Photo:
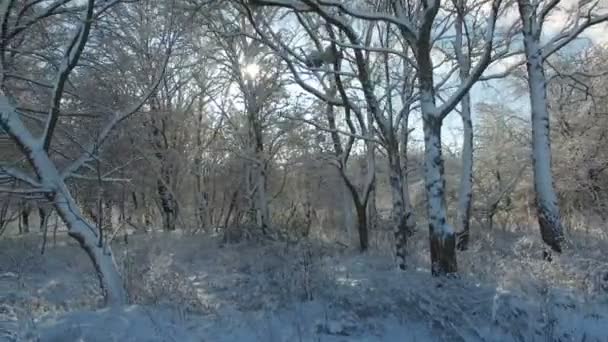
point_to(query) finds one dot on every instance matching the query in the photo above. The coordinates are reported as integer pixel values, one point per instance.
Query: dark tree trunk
(168, 206)
(362, 227)
(43, 214)
(24, 226)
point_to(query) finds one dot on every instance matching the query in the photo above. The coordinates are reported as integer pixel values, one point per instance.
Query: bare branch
(118, 117)
(72, 55)
(20, 175)
(481, 66)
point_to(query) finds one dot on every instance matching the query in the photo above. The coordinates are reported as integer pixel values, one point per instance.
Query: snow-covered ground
(188, 288)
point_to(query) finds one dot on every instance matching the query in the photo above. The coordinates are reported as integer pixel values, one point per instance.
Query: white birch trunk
(410, 217)
(78, 227)
(465, 191)
(442, 237)
(547, 207)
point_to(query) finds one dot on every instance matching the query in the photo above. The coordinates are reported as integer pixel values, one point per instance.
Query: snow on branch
(117, 118)
(561, 40)
(283, 51)
(481, 66)
(547, 8)
(314, 6)
(25, 192)
(51, 9)
(19, 175)
(70, 60)
(555, 43)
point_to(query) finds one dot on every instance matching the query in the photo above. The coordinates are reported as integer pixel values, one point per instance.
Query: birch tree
(467, 44)
(465, 191)
(533, 15)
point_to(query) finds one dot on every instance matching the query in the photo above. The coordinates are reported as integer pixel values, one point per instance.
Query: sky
(502, 91)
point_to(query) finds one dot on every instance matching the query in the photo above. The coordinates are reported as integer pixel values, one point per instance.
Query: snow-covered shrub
(290, 271)
(161, 281)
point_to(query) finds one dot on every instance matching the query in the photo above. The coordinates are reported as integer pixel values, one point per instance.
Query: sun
(251, 70)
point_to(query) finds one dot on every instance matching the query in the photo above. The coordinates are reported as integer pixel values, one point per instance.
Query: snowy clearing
(188, 288)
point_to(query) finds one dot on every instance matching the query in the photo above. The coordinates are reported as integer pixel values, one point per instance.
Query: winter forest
(303, 170)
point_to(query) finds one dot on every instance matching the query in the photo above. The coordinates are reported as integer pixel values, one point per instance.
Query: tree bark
(78, 226)
(86, 234)
(261, 198)
(402, 214)
(370, 159)
(43, 214)
(360, 203)
(258, 167)
(201, 195)
(547, 208)
(168, 205)
(442, 238)
(362, 227)
(465, 191)
(410, 216)
(24, 223)
(441, 233)
(347, 202)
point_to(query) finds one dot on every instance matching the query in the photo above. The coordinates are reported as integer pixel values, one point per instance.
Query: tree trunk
(87, 236)
(372, 208)
(168, 206)
(370, 156)
(465, 192)
(346, 198)
(403, 219)
(78, 227)
(261, 199)
(441, 233)
(201, 197)
(24, 223)
(43, 214)
(108, 215)
(442, 237)
(360, 204)
(547, 207)
(101, 255)
(403, 157)
(362, 226)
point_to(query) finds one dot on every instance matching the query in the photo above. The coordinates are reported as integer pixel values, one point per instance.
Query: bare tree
(48, 177)
(415, 24)
(533, 15)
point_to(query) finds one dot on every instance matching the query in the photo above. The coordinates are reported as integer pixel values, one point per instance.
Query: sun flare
(251, 70)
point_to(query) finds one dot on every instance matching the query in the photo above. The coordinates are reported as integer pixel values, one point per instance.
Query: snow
(188, 288)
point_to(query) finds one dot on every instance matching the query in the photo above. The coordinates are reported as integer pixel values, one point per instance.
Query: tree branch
(71, 57)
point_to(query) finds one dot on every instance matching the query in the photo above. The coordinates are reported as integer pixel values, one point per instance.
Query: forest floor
(191, 288)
